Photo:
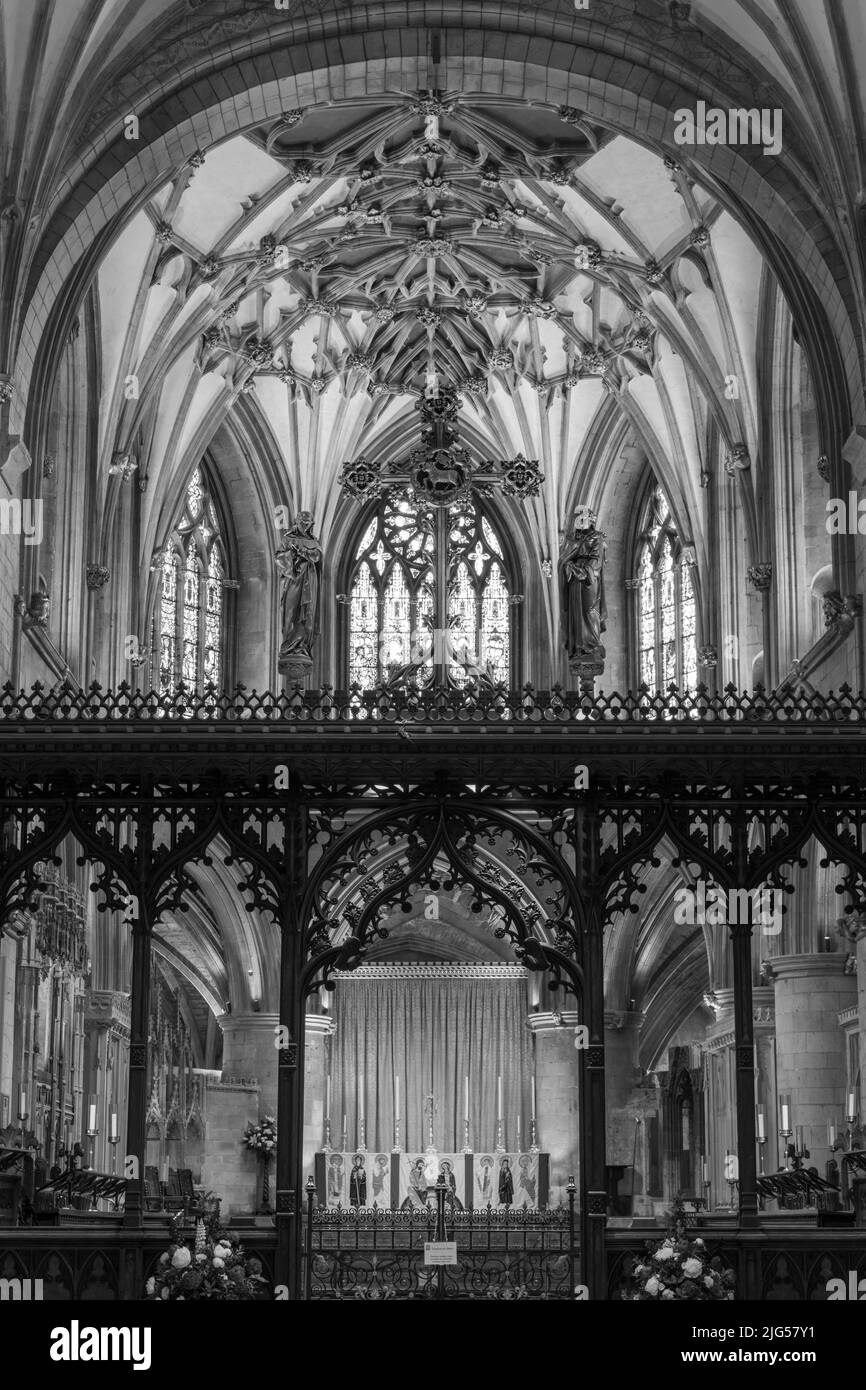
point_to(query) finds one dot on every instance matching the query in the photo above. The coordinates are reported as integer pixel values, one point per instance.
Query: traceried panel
(188, 637)
(667, 614)
(394, 599)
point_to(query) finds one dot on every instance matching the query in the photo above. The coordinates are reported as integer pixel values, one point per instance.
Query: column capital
(811, 964)
(623, 1018)
(552, 1022)
(253, 1022)
(320, 1025)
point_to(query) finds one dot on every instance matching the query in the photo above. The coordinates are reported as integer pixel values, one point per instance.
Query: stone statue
(583, 613)
(299, 559)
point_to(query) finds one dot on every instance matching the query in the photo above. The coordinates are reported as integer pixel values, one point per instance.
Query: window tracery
(190, 602)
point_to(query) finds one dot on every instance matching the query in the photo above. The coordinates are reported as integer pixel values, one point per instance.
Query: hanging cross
(431, 1108)
(441, 476)
(440, 472)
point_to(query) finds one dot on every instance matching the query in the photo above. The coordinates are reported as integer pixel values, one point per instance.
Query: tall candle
(328, 1096)
(852, 1113)
(466, 1098)
(703, 1169)
(112, 1125)
(518, 1134)
(91, 1124)
(534, 1111)
(831, 1133)
(785, 1117)
(22, 1102)
(798, 1139)
(761, 1129)
(499, 1097)
(396, 1097)
(344, 1122)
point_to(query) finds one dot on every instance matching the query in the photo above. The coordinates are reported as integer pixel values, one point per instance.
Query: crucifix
(431, 1108)
(441, 475)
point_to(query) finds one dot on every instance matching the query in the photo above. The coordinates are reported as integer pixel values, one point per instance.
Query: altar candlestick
(499, 1097)
(534, 1111)
(328, 1096)
(396, 1097)
(466, 1098)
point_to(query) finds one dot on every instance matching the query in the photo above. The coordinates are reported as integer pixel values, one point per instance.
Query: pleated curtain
(431, 1034)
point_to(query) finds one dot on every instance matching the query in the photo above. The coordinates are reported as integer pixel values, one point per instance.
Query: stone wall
(228, 1168)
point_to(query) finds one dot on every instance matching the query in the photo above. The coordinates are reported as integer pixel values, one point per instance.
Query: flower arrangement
(262, 1137)
(215, 1268)
(679, 1267)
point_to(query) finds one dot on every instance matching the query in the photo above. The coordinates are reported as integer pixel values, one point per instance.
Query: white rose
(652, 1287)
(692, 1268)
(708, 1281)
(668, 1293)
(150, 1286)
(181, 1258)
(218, 1263)
(665, 1252)
(698, 1244)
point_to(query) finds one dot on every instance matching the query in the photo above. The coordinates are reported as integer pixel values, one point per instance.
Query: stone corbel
(737, 460)
(853, 926)
(840, 610)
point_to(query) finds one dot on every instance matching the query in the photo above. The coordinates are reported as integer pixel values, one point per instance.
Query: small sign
(440, 1252)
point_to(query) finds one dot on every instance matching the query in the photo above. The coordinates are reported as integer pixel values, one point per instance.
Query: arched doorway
(373, 928)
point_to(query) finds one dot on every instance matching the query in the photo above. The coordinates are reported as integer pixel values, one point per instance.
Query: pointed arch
(665, 606)
(188, 624)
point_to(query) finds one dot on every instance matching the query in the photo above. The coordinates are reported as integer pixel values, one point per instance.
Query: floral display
(216, 1268)
(679, 1267)
(262, 1137)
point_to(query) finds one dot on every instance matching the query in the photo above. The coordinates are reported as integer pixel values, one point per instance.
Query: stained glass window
(188, 639)
(429, 597)
(666, 618)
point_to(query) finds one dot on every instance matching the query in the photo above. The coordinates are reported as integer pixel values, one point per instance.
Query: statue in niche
(299, 560)
(583, 612)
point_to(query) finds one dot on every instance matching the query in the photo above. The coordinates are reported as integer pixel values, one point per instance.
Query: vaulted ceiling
(316, 270)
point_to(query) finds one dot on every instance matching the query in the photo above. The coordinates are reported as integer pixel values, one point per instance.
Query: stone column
(625, 1108)
(319, 1029)
(556, 1097)
(720, 1115)
(250, 1052)
(853, 930)
(811, 991)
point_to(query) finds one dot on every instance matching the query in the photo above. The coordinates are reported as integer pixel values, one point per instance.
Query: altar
(397, 1181)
